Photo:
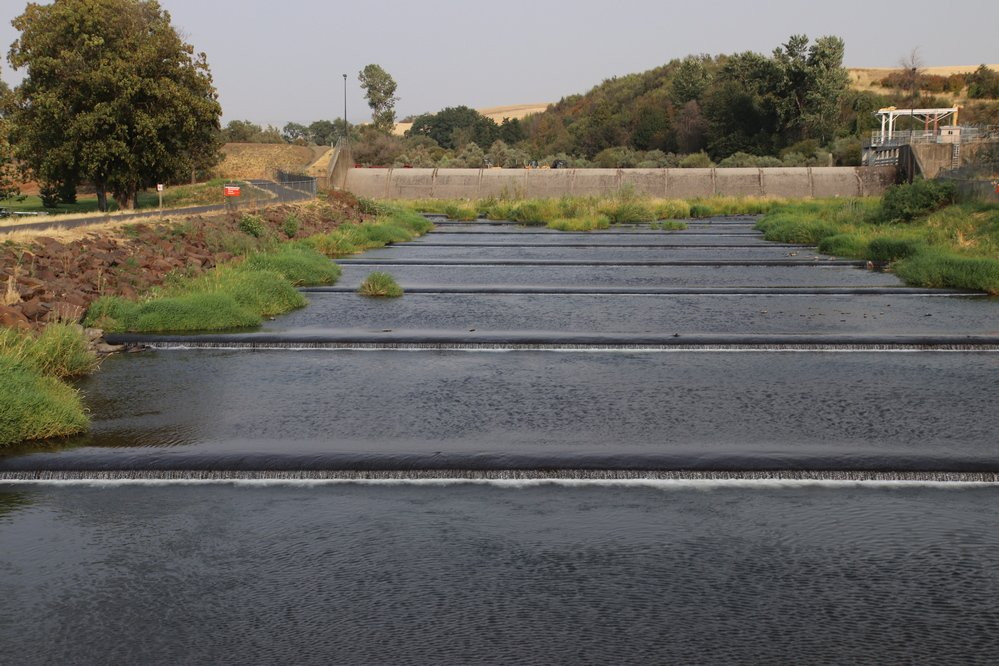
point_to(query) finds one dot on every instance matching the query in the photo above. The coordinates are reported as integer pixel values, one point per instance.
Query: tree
(379, 88)
(810, 84)
(983, 83)
(293, 132)
(8, 183)
(453, 127)
(112, 95)
(325, 132)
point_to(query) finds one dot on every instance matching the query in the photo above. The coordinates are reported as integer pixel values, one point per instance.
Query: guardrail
(905, 137)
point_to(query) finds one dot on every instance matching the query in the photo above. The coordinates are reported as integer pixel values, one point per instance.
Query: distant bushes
(904, 203)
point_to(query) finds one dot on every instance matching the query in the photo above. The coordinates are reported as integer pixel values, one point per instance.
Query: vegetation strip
(916, 230)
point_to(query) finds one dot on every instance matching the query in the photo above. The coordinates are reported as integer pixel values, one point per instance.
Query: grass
(393, 225)
(380, 285)
(580, 213)
(237, 295)
(956, 246)
(34, 402)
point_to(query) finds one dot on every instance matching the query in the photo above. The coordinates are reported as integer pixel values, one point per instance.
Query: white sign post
(159, 191)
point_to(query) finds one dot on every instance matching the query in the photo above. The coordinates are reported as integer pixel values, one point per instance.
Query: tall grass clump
(461, 213)
(671, 209)
(628, 211)
(380, 285)
(583, 223)
(60, 350)
(300, 265)
(844, 245)
(36, 406)
(935, 268)
(34, 403)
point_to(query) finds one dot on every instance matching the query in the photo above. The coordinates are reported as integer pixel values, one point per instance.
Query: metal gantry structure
(933, 121)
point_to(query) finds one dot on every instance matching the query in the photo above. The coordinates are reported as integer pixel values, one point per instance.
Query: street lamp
(344, 107)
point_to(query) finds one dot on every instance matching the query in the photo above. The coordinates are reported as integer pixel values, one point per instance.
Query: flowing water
(628, 446)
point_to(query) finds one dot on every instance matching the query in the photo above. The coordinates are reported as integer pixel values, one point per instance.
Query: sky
(278, 62)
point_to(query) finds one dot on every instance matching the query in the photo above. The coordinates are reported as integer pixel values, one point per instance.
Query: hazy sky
(279, 61)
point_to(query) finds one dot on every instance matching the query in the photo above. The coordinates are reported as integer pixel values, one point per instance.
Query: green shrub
(302, 266)
(700, 210)
(333, 245)
(844, 245)
(291, 225)
(696, 161)
(369, 206)
(904, 203)
(34, 406)
(934, 268)
(380, 285)
(886, 250)
(252, 225)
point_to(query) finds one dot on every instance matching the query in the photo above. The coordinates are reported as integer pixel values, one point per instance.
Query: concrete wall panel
(835, 182)
(411, 184)
(648, 182)
(371, 183)
(548, 183)
(593, 181)
(672, 183)
(457, 184)
(740, 182)
(503, 182)
(689, 183)
(792, 182)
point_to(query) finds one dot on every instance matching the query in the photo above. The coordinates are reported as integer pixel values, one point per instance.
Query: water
(606, 502)
(415, 410)
(465, 574)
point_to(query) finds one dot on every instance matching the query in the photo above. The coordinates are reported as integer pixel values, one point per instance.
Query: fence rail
(297, 181)
(967, 135)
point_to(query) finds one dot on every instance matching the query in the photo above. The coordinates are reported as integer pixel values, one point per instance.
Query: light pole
(344, 107)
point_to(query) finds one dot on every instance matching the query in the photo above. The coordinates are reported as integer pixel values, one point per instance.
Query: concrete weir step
(556, 262)
(665, 291)
(347, 339)
(649, 246)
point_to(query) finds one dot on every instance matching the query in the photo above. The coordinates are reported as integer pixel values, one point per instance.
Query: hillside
(868, 78)
(496, 113)
(259, 160)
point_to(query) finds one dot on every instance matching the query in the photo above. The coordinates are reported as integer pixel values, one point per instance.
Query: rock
(34, 308)
(93, 334)
(67, 311)
(104, 348)
(12, 318)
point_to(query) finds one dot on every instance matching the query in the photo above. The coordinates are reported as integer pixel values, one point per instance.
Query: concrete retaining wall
(668, 183)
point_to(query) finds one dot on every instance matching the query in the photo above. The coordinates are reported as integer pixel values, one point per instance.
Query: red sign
(230, 191)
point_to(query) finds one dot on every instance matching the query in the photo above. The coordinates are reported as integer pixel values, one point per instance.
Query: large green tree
(8, 185)
(809, 87)
(112, 95)
(379, 88)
